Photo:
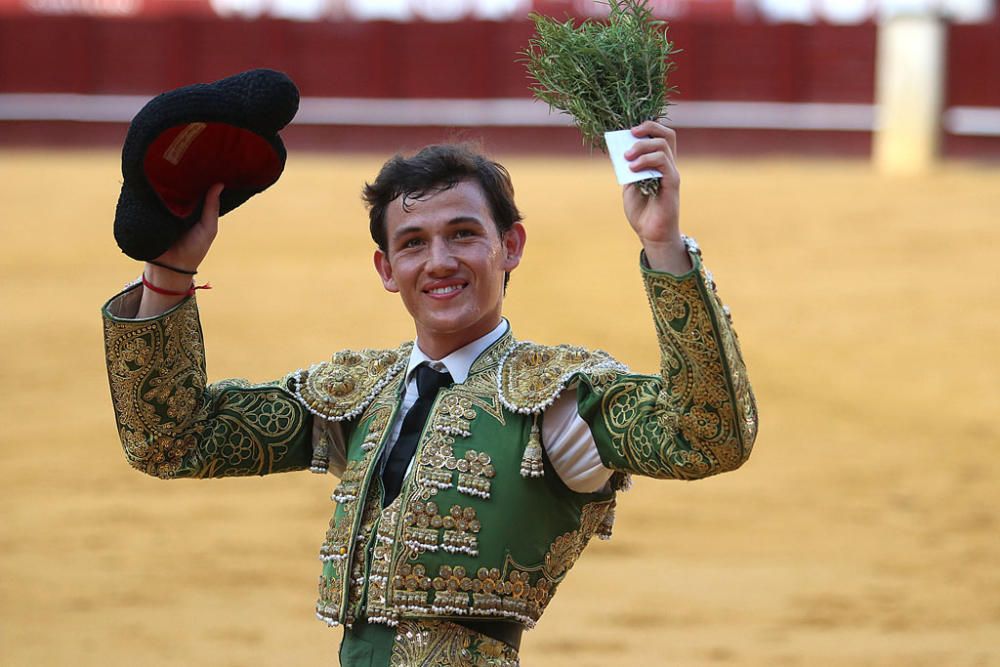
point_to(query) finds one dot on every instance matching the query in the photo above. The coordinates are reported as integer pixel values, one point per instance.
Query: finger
(659, 155)
(651, 128)
(672, 141)
(657, 161)
(660, 163)
(210, 212)
(644, 146)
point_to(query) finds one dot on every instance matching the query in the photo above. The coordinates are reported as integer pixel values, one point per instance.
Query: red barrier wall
(974, 65)
(719, 61)
(381, 59)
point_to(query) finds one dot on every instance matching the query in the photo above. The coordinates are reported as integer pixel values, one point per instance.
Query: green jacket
(483, 526)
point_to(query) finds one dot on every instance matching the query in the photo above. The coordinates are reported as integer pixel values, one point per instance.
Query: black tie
(429, 381)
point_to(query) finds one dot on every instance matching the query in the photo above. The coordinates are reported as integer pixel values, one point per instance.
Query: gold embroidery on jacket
(340, 389)
(426, 643)
(171, 424)
(566, 548)
(698, 418)
(347, 559)
(532, 376)
(380, 607)
(359, 563)
(413, 523)
(487, 592)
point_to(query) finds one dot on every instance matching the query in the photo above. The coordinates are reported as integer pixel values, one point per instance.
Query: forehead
(465, 200)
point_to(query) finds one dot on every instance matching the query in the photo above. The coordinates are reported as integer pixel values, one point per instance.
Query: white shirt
(566, 436)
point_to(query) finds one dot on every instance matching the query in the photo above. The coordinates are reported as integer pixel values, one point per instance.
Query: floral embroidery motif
(426, 643)
(566, 548)
(699, 418)
(170, 423)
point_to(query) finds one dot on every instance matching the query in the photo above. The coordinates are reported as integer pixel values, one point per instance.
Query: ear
(384, 269)
(513, 245)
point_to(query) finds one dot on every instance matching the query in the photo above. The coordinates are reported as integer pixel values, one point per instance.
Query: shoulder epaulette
(340, 389)
(531, 376)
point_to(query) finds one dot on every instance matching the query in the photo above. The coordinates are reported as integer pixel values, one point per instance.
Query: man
(473, 468)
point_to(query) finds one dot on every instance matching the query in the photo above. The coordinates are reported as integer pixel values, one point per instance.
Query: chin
(448, 325)
(452, 322)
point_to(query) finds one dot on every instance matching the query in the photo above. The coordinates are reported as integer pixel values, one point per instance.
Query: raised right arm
(171, 423)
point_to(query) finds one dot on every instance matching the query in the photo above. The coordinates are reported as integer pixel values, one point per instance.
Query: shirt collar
(459, 362)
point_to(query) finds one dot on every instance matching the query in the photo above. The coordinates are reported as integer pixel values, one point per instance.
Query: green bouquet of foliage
(607, 76)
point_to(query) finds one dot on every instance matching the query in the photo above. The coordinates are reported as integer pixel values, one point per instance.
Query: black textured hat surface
(184, 141)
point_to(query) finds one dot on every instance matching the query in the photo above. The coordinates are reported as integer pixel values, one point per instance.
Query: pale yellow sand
(863, 531)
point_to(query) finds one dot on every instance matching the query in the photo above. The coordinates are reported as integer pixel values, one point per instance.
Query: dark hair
(435, 168)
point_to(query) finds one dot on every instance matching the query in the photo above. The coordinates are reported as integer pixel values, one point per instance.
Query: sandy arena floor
(863, 531)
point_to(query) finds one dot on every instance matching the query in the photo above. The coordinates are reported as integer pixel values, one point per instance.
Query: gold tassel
(321, 453)
(607, 523)
(531, 462)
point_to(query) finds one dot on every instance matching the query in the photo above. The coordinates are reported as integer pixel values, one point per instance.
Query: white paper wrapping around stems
(618, 143)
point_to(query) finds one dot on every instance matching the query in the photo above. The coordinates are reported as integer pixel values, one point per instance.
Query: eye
(464, 233)
(412, 243)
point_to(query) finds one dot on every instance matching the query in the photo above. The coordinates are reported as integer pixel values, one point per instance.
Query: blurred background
(841, 168)
(752, 76)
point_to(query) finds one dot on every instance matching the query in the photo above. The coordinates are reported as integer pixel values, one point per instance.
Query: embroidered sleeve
(172, 425)
(699, 417)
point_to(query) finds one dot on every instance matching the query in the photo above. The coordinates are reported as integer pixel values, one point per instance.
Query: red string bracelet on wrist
(159, 290)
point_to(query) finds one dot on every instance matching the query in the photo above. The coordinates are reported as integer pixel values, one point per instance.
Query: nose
(440, 260)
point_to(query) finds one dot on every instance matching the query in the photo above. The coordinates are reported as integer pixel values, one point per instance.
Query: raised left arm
(699, 416)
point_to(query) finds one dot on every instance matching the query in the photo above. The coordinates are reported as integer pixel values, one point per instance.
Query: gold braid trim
(170, 423)
(532, 376)
(699, 418)
(341, 389)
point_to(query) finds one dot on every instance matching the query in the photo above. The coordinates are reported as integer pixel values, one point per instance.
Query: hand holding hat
(189, 139)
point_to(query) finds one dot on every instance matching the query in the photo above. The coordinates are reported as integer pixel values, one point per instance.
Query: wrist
(167, 279)
(669, 256)
(172, 267)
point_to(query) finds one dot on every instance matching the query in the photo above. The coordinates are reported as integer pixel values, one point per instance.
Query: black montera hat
(185, 140)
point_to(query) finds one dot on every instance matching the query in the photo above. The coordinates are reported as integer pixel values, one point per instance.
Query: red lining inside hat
(186, 160)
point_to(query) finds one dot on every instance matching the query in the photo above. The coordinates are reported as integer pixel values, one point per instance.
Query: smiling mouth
(446, 290)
